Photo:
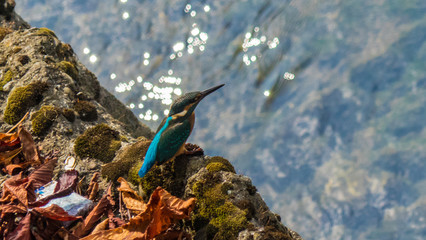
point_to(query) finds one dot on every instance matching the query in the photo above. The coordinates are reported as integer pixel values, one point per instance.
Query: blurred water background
(324, 105)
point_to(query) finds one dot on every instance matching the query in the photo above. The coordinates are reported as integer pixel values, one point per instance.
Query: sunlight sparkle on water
(166, 112)
(123, 1)
(93, 59)
(146, 62)
(125, 15)
(204, 36)
(193, 13)
(207, 8)
(179, 46)
(86, 50)
(288, 76)
(146, 55)
(187, 8)
(195, 31)
(266, 93)
(139, 79)
(113, 76)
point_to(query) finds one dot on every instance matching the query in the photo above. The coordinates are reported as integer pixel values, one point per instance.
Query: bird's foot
(193, 149)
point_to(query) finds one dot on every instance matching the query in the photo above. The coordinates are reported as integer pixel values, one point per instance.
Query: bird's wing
(161, 125)
(172, 139)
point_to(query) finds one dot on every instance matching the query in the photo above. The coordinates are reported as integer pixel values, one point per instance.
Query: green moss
(215, 164)
(170, 176)
(222, 219)
(125, 160)
(3, 32)
(86, 110)
(46, 32)
(68, 114)
(100, 142)
(69, 68)
(43, 119)
(133, 176)
(7, 77)
(229, 221)
(21, 99)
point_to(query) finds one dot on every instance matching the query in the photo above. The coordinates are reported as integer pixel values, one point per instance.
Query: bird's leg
(193, 149)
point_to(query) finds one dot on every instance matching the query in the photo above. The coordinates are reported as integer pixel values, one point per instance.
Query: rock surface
(69, 110)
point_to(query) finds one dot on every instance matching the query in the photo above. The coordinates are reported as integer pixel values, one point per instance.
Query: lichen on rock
(21, 99)
(100, 142)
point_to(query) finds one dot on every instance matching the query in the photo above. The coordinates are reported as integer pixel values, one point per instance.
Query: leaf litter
(25, 213)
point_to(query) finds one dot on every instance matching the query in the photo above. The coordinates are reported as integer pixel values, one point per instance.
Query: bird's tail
(146, 166)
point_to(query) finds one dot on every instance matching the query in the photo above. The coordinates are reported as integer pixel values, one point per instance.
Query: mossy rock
(125, 160)
(43, 119)
(216, 164)
(86, 110)
(100, 142)
(46, 32)
(170, 176)
(69, 68)
(3, 32)
(68, 114)
(7, 77)
(215, 212)
(21, 99)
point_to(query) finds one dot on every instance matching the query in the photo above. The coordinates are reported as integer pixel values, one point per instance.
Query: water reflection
(317, 110)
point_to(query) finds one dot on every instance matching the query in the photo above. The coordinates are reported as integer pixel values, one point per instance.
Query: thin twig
(20, 121)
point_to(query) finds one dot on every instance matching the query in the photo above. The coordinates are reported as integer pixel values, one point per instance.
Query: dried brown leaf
(163, 209)
(133, 201)
(23, 231)
(5, 209)
(8, 140)
(29, 149)
(15, 188)
(13, 169)
(43, 174)
(56, 213)
(6, 157)
(93, 217)
(101, 226)
(92, 190)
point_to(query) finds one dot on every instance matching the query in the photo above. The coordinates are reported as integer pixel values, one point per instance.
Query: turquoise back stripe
(151, 154)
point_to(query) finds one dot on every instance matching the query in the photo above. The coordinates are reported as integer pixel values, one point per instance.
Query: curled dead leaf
(131, 199)
(162, 210)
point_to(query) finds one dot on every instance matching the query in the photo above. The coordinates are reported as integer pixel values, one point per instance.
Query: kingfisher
(174, 130)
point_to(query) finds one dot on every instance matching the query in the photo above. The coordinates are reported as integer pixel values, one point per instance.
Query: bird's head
(185, 105)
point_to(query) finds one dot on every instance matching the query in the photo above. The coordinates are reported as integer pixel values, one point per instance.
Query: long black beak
(210, 90)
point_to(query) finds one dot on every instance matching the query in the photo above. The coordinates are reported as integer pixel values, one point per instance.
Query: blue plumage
(151, 154)
(169, 141)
